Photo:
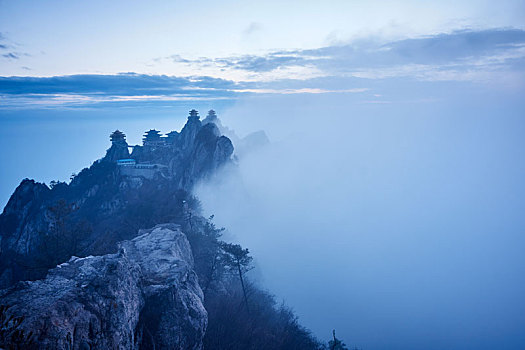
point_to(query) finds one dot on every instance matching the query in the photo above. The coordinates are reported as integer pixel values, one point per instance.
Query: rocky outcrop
(117, 151)
(119, 147)
(251, 143)
(210, 151)
(189, 131)
(145, 296)
(25, 201)
(19, 222)
(110, 201)
(188, 156)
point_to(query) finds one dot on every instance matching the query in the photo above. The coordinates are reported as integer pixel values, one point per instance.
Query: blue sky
(397, 155)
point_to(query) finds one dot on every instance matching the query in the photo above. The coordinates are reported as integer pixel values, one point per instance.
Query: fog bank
(398, 224)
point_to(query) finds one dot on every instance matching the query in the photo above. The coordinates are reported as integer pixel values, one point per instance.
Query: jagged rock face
(212, 119)
(25, 219)
(251, 142)
(145, 296)
(189, 132)
(18, 223)
(118, 150)
(210, 151)
(107, 200)
(223, 151)
(190, 155)
(26, 193)
(23, 203)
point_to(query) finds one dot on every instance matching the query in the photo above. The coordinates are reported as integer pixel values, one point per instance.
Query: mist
(398, 224)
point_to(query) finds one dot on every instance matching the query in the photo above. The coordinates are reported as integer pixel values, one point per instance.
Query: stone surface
(144, 296)
(118, 150)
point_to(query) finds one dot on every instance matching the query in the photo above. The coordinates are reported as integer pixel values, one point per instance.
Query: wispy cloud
(459, 55)
(11, 56)
(303, 91)
(3, 42)
(51, 101)
(13, 53)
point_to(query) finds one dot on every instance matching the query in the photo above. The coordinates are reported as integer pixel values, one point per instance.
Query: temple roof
(117, 135)
(152, 135)
(212, 114)
(194, 115)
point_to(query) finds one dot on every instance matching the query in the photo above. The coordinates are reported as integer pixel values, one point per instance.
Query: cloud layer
(426, 58)
(492, 57)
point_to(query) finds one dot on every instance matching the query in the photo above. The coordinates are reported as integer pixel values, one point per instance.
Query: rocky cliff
(144, 296)
(78, 269)
(104, 204)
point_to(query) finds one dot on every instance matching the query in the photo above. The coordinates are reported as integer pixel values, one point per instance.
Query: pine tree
(239, 260)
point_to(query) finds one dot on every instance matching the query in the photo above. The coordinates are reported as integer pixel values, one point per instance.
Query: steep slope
(107, 202)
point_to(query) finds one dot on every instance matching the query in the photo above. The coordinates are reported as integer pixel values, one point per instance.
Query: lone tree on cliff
(238, 259)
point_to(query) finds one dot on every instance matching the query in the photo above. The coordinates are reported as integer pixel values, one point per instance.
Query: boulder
(144, 296)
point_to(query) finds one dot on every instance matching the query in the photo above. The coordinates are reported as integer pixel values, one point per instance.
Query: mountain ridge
(107, 220)
(104, 194)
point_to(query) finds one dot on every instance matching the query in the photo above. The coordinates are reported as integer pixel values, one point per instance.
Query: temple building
(152, 158)
(119, 147)
(172, 137)
(211, 115)
(194, 115)
(117, 137)
(153, 138)
(211, 118)
(126, 162)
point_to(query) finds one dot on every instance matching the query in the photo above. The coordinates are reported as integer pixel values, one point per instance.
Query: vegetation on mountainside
(240, 314)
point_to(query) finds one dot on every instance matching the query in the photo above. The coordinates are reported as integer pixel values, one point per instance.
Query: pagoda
(119, 147)
(212, 116)
(117, 137)
(194, 115)
(152, 138)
